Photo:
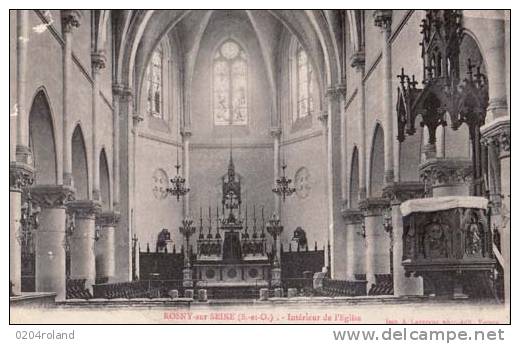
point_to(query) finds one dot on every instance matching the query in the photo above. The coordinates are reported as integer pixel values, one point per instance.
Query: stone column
(357, 61)
(117, 95)
(69, 19)
(20, 177)
(335, 97)
(447, 176)
(186, 135)
(498, 135)
(98, 62)
(105, 246)
(50, 238)
(23, 154)
(355, 243)
(276, 134)
(377, 252)
(494, 54)
(398, 193)
(383, 19)
(82, 257)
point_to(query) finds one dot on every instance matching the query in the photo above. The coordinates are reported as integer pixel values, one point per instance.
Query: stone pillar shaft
(82, 257)
(383, 19)
(22, 117)
(117, 93)
(398, 193)
(50, 238)
(15, 263)
(70, 19)
(98, 63)
(358, 62)
(355, 245)
(377, 254)
(186, 135)
(276, 134)
(105, 246)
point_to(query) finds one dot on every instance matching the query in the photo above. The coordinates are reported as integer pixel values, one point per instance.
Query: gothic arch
(42, 140)
(354, 179)
(104, 181)
(376, 165)
(80, 175)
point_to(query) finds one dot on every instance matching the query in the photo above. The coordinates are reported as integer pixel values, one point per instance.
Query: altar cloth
(421, 205)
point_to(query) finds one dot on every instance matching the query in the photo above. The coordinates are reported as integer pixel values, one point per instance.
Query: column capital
(324, 117)
(108, 218)
(52, 196)
(137, 119)
(352, 216)
(117, 89)
(373, 206)
(126, 94)
(275, 132)
(70, 19)
(498, 134)
(186, 133)
(99, 60)
(399, 192)
(335, 92)
(20, 176)
(357, 59)
(87, 209)
(383, 19)
(446, 171)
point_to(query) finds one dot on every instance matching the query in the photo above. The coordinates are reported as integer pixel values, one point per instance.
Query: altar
(232, 250)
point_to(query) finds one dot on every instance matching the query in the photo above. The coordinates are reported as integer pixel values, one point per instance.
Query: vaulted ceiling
(321, 33)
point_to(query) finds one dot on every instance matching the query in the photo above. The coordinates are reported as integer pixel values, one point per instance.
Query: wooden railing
(75, 289)
(333, 287)
(384, 285)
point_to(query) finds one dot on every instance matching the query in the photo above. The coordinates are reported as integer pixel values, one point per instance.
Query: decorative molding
(99, 60)
(399, 192)
(357, 59)
(160, 139)
(383, 19)
(373, 206)
(209, 145)
(275, 132)
(108, 219)
(84, 209)
(52, 196)
(352, 216)
(70, 19)
(444, 172)
(308, 136)
(498, 134)
(20, 176)
(302, 182)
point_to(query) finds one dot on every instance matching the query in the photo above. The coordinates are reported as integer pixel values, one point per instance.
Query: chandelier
(178, 188)
(283, 186)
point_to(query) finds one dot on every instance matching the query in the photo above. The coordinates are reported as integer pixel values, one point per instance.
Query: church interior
(259, 154)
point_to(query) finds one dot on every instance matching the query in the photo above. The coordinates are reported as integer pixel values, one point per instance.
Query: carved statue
(300, 237)
(162, 240)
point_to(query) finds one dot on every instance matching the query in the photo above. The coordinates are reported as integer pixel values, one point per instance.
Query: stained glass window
(154, 84)
(230, 85)
(304, 85)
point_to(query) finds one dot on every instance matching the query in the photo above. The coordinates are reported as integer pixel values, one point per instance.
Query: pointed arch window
(304, 85)
(230, 85)
(154, 78)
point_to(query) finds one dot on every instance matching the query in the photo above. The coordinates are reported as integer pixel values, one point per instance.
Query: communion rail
(334, 287)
